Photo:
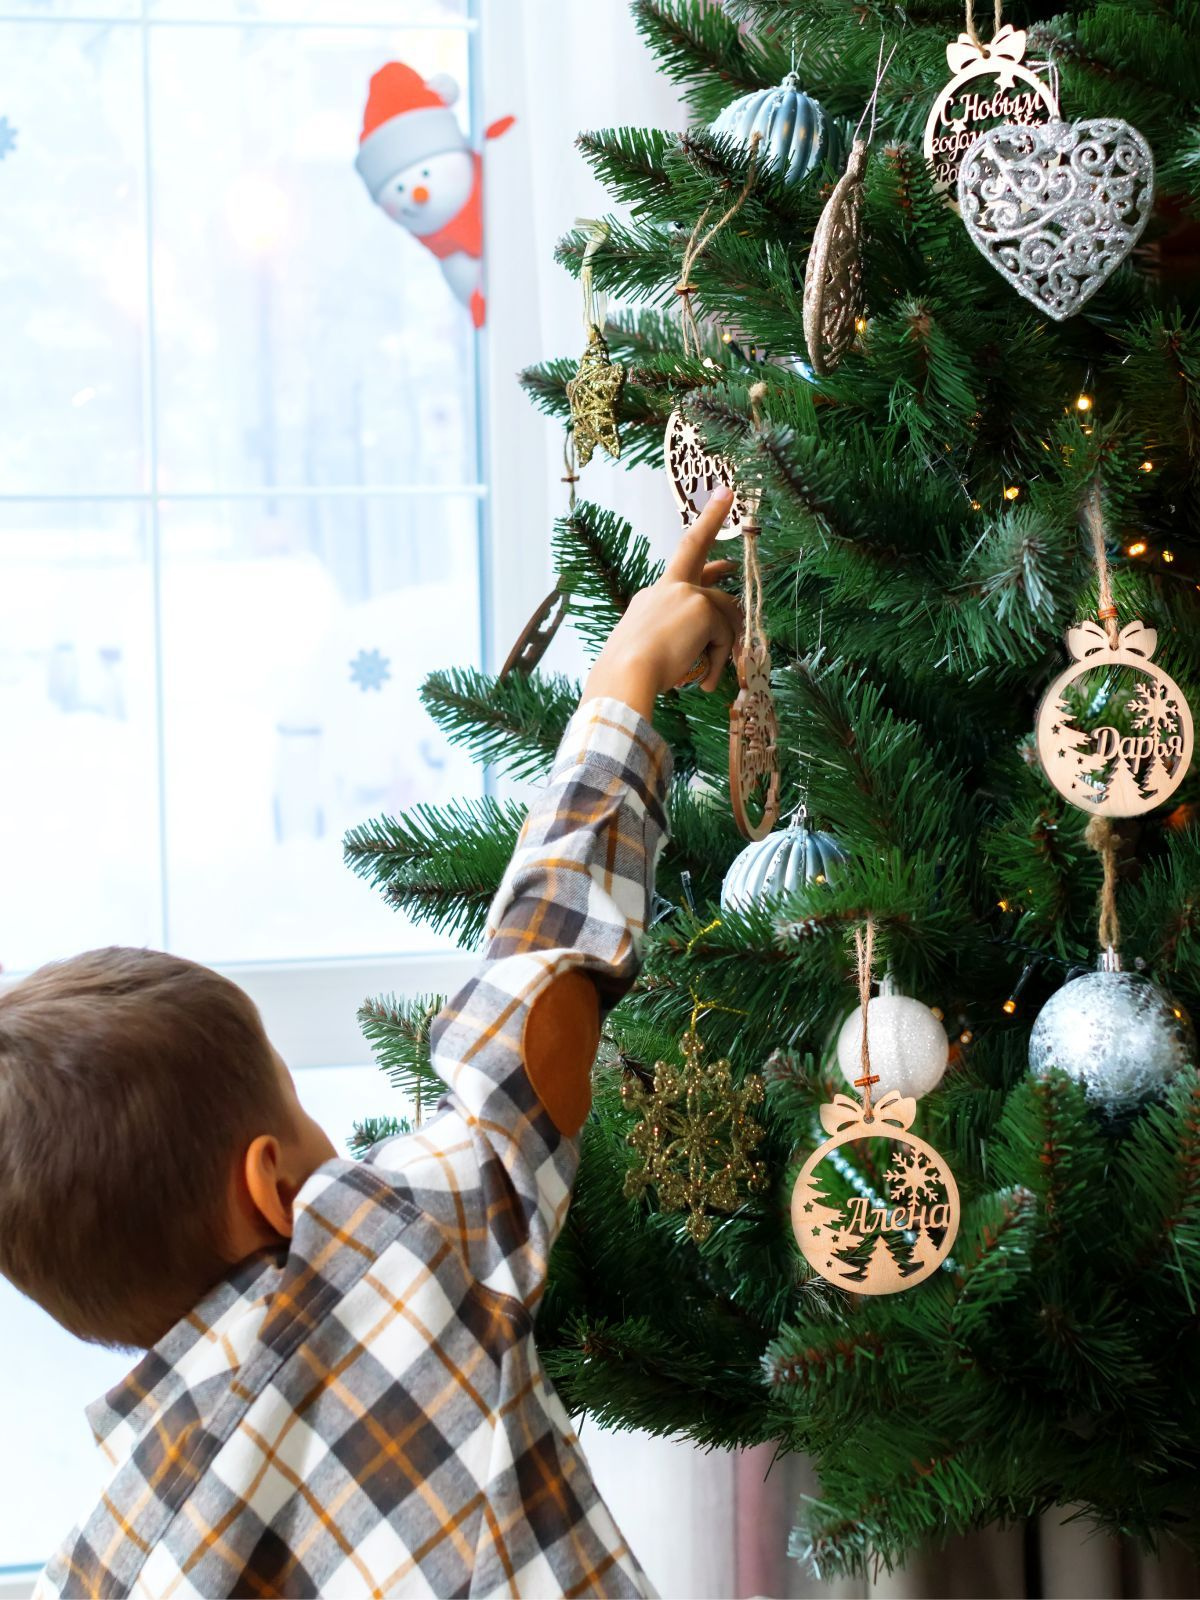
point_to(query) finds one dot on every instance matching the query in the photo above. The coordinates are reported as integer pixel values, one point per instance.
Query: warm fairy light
(1168, 556)
(975, 506)
(1087, 430)
(1146, 466)
(1137, 548)
(1177, 1011)
(1004, 905)
(861, 324)
(820, 878)
(965, 1036)
(1084, 403)
(1009, 1007)
(727, 337)
(936, 1011)
(1011, 492)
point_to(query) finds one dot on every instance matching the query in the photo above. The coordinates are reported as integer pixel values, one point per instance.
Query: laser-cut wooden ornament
(865, 1245)
(694, 471)
(1114, 731)
(969, 104)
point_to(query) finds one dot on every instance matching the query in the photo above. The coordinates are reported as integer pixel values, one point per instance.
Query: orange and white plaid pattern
(368, 1414)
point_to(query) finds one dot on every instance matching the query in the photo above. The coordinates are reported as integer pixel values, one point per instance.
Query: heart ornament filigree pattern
(1057, 207)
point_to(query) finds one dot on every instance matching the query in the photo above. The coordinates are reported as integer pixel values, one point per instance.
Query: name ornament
(858, 1240)
(1114, 731)
(875, 1245)
(970, 103)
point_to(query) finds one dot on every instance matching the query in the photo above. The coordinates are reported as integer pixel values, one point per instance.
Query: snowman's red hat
(407, 120)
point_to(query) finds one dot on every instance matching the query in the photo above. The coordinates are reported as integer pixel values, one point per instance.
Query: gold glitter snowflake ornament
(695, 1136)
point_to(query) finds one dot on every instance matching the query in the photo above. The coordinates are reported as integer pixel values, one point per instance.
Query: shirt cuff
(606, 731)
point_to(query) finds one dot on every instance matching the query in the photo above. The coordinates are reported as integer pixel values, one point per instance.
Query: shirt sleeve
(574, 899)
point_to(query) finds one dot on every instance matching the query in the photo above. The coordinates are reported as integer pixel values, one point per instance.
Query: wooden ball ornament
(1114, 731)
(694, 472)
(970, 103)
(874, 1245)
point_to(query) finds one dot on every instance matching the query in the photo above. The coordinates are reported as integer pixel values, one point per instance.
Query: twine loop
(1093, 516)
(699, 243)
(864, 950)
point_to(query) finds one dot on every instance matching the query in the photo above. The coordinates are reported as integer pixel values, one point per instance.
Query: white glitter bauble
(1116, 1033)
(909, 1047)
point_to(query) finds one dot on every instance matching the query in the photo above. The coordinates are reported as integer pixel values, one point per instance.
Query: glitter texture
(1114, 1032)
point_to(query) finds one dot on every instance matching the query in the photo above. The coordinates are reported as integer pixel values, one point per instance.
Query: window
(241, 516)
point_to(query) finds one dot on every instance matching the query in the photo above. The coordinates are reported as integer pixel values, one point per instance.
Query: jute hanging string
(1093, 516)
(1100, 836)
(753, 634)
(864, 950)
(698, 244)
(997, 15)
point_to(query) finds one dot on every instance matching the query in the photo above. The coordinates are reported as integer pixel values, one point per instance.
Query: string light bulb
(860, 324)
(1011, 492)
(1137, 548)
(1083, 403)
(1146, 466)
(1168, 556)
(1009, 1006)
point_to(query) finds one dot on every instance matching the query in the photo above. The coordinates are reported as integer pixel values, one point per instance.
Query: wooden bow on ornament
(843, 1111)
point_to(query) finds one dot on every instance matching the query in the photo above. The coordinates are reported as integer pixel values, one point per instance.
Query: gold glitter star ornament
(696, 1136)
(593, 394)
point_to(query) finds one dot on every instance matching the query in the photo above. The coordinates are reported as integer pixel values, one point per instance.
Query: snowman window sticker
(419, 169)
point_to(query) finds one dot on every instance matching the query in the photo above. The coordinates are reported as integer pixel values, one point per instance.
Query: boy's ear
(266, 1184)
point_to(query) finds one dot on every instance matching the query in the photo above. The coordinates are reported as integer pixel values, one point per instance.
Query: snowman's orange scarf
(465, 231)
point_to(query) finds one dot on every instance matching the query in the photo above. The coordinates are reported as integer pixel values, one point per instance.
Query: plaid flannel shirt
(368, 1414)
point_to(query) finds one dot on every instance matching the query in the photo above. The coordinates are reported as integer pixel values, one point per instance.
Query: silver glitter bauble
(797, 137)
(1116, 1033)
(908, 1045)
(1057, 207)
(780, 863)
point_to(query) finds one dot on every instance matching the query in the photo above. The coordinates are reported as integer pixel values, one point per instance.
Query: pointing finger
(687, 563)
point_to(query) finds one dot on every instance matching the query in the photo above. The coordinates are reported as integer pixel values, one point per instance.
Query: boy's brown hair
(130, 1082)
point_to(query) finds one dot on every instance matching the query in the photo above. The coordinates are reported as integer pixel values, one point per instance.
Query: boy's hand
(666, 627)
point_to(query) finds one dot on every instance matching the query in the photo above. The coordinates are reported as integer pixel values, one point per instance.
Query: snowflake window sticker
(1114, 732)
(370, 670)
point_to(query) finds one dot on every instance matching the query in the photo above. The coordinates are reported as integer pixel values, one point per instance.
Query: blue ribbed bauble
(797, 136)
(780, 863)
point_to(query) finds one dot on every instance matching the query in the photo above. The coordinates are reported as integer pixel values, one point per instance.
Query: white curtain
(703, 1523)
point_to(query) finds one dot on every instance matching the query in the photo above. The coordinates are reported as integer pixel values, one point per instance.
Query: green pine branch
(512, 723)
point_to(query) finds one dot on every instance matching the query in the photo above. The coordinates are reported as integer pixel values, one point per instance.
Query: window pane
(303, 337)
(50, 1471)
(78, 812)
(72, 260)
(389, 13)
(296, 633)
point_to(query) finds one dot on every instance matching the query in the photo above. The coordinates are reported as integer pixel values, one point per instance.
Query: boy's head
(150, 1137)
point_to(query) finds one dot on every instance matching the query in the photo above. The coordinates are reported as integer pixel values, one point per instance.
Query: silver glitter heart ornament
(1057, 207)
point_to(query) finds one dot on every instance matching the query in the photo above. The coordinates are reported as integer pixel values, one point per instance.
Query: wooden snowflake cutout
(695, 1136)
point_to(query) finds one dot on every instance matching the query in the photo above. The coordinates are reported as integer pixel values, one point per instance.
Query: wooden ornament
(534, 638)
(1114, 731)
(866, 1244)
(694, 472)
(969, 104)
(753, 737)
(833, 301)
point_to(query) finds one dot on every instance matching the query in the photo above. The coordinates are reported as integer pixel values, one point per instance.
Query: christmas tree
(922, 555)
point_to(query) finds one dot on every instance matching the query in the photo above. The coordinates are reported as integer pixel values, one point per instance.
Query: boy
(341, 1393)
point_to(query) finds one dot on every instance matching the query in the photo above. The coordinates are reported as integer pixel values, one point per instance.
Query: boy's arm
(564, 933)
